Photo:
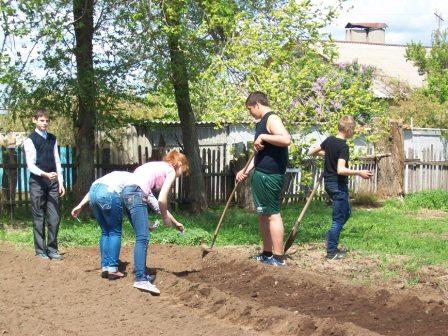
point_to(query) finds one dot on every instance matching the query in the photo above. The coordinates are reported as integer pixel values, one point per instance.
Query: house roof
(162, 123)
(389, 61)
(367, 25)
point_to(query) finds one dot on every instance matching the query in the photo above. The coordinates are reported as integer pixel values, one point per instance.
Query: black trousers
(46, 213)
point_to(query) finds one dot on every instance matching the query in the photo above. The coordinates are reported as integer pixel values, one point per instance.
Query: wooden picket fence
(14, 175)
(420, 174)
(428, 172)
(300, 181)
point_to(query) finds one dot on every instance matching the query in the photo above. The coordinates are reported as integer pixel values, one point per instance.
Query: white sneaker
(146, 286)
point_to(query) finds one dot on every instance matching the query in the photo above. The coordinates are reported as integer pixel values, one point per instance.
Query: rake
(205, 249)
(292, 236)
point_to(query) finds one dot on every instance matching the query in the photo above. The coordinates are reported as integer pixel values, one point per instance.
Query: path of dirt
(223, 294)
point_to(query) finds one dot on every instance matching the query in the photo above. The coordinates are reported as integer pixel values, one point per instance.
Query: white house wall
(426, 144)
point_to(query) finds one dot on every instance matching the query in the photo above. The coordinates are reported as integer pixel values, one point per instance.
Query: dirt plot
(222, 294)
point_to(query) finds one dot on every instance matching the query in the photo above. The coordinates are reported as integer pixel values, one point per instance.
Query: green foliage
(192, 236)
(199, 28)
(60, 126)
(421, 109)
(230, 47)
(37, 61)
(281, 51)
(433, 63)
(428, 199)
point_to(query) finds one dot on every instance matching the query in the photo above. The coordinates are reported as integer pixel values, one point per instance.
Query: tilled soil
(223, 293)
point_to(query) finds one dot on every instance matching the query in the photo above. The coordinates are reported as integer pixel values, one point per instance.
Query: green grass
(428, 199)
(392, 230)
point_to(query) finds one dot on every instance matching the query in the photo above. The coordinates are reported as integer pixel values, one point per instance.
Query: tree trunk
(195, 186)
(86, 114)
(244, 197)
(391, 168)
(9, 178)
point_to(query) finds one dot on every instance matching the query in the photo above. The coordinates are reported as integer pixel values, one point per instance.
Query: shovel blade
(292, 236)
(205, 249)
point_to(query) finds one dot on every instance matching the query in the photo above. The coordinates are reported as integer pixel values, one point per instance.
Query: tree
(428, 106)
(199, 57)
(391, 166)
(283, 52)
(181, 36)
(433, 63)
(86, 116)
(179, 78)
(192, 33)
(419, 109)
(48, 60)
(225, 49)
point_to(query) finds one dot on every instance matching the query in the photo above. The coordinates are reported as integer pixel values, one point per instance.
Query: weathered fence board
(420, 174)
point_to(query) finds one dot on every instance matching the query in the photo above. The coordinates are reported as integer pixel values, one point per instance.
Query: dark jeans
(137, 212)
(338, 193)
(44, 196)
(108, 210)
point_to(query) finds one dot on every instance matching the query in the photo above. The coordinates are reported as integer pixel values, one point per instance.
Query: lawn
(395, 229)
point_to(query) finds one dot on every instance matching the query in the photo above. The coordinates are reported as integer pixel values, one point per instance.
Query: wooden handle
(308, 201)
(229, 200)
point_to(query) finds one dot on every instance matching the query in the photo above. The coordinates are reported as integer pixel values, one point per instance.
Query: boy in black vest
(336, 173)
(46, 185)
(271, 144)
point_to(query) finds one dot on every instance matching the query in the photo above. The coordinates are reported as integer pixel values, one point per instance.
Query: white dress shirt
(30, 154)
(115, 180)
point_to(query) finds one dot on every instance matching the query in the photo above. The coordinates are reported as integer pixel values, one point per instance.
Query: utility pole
(439, 19)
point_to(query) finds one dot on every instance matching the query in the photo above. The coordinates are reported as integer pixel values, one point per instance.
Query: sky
(407, 20)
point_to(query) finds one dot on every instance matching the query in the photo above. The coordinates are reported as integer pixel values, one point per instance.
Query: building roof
(389, 61)
(170, 123)
(367, 25)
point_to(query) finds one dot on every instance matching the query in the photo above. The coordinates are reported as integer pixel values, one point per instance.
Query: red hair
(177, 159)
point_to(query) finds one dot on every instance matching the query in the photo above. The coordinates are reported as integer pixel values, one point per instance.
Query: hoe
(205, 249)
(292, 236)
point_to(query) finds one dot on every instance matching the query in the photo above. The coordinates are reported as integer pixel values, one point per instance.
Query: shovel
(205, 249)
(292, 236)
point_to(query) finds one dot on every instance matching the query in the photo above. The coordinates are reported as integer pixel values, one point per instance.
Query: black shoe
(274, 261)
(55, 256)
(114, 276)
(42, 256)
(335, 256)
(105, 274)
(259, 257)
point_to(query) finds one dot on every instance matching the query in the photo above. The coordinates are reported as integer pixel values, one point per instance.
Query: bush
(428, 199)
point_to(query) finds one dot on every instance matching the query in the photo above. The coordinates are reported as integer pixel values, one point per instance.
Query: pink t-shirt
(150, 176)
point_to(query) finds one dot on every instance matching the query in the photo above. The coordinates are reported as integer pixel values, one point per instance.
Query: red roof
(367, 25)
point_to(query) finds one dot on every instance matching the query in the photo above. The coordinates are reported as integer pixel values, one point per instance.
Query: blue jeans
(338, 193)
(137, 213)
(108, 210)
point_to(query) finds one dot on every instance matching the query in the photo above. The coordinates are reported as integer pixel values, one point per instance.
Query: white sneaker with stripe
(146, 286)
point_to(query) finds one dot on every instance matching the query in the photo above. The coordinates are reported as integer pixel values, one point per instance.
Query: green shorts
(266, 191)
